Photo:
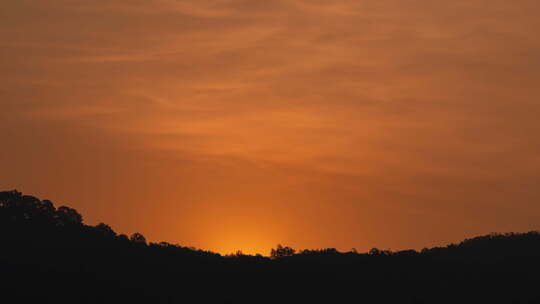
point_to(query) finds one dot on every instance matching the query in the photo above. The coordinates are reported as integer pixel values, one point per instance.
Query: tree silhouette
(68, 216)
(281, 251)
(105, 230)
(44, 249)
(138, 238)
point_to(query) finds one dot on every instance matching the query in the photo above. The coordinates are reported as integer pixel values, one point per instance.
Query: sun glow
(246, 243)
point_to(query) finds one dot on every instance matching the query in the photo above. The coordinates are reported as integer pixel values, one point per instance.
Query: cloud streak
(374, 115)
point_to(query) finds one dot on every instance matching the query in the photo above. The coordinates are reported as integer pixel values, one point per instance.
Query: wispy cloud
(410, 105)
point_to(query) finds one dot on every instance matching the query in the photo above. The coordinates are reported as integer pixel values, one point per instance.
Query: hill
(48, 255)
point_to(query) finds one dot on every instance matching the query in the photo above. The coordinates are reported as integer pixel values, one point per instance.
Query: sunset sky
(240, 124)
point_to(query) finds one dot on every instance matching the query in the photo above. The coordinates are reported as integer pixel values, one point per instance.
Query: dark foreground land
(47, 255)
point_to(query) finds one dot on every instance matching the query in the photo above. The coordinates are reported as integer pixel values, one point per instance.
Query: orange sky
(240, 124)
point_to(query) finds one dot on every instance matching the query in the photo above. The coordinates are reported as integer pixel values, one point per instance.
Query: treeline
(48, 255)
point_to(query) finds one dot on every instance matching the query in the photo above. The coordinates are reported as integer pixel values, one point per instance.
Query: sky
(240, 124)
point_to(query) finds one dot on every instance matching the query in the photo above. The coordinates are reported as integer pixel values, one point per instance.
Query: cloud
(370, 107)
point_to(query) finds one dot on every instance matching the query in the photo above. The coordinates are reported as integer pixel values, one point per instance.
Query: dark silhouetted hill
(48, 255)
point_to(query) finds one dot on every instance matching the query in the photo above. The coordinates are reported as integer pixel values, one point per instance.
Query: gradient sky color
(240, 124)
